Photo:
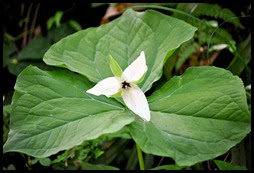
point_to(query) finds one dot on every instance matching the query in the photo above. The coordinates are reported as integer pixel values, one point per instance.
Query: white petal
(107, 87)
(136, 69)
(135, 100)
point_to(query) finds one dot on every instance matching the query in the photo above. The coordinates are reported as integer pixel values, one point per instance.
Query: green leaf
(97, 153)
(89, 166)
(58, 16)
(52, 112)
(168, 167)
(75, 25)
(237, 65)
(50, 23)
(227, 166)
(168, 69)
(195, 117)
(115, 68)
(94, 5)
(123, 133)
(86, 52)
(62, 157)
(6, 110)
(55, 20)
(45, 161)
(33, 161)
(35, 49)
(11, 167)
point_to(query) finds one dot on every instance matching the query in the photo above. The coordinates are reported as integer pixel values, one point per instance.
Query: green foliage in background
(210, 32)
(227, 166)
(33, 52)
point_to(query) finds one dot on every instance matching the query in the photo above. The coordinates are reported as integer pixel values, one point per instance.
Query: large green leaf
(195, 117)
(52, 112)
(87, 52)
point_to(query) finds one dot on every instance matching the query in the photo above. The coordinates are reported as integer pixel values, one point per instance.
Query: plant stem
(140, 158)
(24, 41)
(34, 21)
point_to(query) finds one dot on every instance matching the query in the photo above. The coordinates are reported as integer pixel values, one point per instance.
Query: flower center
(125, 85)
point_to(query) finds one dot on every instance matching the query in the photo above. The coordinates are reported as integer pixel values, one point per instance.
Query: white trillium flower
(125, 84)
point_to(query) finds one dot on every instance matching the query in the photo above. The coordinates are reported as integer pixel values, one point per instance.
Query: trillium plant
(196, 116)
(125, 84)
